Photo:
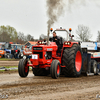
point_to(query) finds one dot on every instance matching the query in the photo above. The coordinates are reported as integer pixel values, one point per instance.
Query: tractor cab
(63, 36)
(66, 35)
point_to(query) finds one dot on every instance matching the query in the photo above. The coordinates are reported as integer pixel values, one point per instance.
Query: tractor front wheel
(55, 69)
(23, 69)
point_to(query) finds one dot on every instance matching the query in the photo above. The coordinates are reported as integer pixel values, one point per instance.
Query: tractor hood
(41, 47)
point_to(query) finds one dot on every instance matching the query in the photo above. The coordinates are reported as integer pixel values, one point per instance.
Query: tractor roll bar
(63, 30)
(58, 30)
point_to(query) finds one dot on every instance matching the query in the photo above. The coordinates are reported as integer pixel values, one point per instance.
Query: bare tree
(42, 37)
(83, 33)
(98, 37)
(21, 38)
(29, 38)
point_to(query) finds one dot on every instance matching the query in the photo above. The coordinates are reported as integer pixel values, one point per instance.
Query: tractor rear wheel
(94, 67)
(23, 69)
(55, 69)
(40, 71)
(72, 59)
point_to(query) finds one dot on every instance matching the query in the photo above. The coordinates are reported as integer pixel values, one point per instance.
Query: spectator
(12, 53)
(18, 52)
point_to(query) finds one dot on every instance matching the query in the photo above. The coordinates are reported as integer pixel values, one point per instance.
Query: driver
(58, 41)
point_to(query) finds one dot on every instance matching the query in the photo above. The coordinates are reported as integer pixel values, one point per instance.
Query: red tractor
(44, 59)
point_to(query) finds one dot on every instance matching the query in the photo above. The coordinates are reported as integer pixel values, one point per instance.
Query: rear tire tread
(68, 60)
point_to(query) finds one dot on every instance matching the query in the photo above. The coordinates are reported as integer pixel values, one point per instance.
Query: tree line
(9, 34)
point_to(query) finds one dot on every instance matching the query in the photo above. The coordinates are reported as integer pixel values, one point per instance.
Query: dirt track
(46, 88)
(9, 63)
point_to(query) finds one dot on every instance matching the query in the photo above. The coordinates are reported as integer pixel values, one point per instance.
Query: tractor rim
(78, 61)
(26, 68)
(58, 69)
(94, 68)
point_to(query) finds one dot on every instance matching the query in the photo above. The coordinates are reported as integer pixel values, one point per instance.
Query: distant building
(29, 43)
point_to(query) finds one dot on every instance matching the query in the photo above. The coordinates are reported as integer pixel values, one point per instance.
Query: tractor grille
(40, 54)
(37, 48)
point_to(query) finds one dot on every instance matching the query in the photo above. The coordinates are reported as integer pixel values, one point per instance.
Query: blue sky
(29, 16)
